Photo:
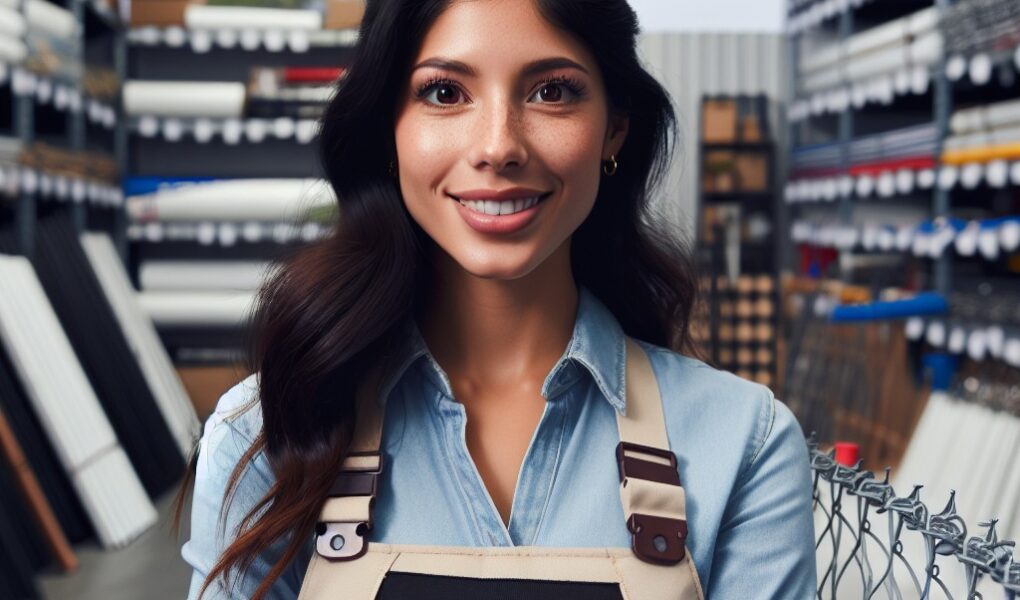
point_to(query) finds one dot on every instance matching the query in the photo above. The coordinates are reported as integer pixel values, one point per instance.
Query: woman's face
(499, 99)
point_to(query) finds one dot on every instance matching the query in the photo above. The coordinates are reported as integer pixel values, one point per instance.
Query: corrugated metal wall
(691, 65)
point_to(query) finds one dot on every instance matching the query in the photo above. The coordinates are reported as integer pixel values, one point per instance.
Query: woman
(511, 342)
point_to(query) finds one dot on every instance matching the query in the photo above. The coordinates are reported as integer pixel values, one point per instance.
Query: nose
(499, 137)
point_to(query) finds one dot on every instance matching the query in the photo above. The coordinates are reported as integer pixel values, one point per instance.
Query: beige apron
(345, 565)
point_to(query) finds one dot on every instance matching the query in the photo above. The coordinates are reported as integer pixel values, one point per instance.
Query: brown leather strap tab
(631, 466)
(355, 484)
(358, 482)
(658, 539)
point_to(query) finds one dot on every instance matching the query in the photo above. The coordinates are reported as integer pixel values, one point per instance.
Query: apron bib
(657, 566)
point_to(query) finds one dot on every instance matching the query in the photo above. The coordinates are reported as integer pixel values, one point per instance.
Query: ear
(616, 133)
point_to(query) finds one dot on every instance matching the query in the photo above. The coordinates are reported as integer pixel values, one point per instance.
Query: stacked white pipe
(972, 449)
(68, 409)
(873, 66)
(210, 293)
(205, 110)
(989, 239)
(246, 27)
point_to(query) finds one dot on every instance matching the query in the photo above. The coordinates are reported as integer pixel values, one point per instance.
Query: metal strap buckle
(346, 541)
(357, 482)
(645, 469)
(341, 541)
(657, 539)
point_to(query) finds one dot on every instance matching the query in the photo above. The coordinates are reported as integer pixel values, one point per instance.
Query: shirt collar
(597, 344)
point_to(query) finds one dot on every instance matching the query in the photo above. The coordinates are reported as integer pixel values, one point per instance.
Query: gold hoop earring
(609, 166)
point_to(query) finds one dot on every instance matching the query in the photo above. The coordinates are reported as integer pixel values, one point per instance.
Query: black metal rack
(738, 213)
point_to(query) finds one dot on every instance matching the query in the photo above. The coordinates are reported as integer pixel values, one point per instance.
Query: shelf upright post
(784, 259)
(76, 117)
(943, 109)
(846, 120)
(25, 209)
(120, 139)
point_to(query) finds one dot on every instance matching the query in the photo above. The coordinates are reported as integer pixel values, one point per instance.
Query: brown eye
(551, 93)
(447, 93)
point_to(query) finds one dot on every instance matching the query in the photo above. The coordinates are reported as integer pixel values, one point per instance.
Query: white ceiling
(712, 15)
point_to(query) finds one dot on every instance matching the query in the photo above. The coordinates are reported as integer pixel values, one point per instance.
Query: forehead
(498, 33)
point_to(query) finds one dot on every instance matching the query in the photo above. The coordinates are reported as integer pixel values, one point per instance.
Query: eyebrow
(532, 68)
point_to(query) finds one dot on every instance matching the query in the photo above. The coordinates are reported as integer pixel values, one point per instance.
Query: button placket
(482, 506)
(538, 472)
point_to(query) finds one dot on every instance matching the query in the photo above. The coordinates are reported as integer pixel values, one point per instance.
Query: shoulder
(718, 411)
(230, 431)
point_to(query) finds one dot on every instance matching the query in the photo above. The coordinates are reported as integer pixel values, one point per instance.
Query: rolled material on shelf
(202, 275)
(985, 154)
(922, 304)
(197, 309)
(234, 200)
(184, 98)
(199, 16)
(50, 18)
(823, 58)
(12, 24)
(68, 408)
(12, 50)
(893, 33)
(989, 117)
(140, 333)
(880, 61)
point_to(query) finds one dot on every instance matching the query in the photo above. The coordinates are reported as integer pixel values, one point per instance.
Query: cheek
(573, 154)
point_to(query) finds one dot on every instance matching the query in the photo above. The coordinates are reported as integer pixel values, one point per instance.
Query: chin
(499, 267)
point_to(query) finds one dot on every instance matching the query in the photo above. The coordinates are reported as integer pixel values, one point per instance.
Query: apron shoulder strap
(650, 492)
(653, 500)
(348, 513)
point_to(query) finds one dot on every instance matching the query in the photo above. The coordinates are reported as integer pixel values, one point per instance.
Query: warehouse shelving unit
(738, 248)
(222, 148)
(57, 111)
(949, 223)
(962, 74)
(852, 114)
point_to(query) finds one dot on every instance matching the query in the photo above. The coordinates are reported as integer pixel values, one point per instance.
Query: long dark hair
(334, 308)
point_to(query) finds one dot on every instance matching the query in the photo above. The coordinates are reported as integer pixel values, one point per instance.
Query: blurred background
(848, 178)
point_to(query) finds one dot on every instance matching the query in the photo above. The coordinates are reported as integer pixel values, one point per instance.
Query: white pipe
(184, 98)
(68, 409)
(198, 16)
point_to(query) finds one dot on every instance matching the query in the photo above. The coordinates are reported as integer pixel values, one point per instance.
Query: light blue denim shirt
(742, 461)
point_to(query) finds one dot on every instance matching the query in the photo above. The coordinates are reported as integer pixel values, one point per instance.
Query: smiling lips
(506, 211)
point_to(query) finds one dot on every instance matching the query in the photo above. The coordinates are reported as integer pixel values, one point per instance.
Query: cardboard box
(205, 384)
(160, 13)
(752, 171)
(750, 129)
(344, 14)
(719, 121)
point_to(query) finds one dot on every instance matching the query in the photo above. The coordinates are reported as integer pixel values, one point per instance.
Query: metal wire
(846, 496)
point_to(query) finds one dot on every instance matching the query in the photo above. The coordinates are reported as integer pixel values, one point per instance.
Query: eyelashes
(575, 87)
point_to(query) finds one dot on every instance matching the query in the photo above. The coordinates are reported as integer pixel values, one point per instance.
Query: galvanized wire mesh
(862, 557)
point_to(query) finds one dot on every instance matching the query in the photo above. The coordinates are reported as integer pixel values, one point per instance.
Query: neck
(500, 334)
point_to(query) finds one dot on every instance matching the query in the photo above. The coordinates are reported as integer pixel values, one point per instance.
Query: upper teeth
(500, 207)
